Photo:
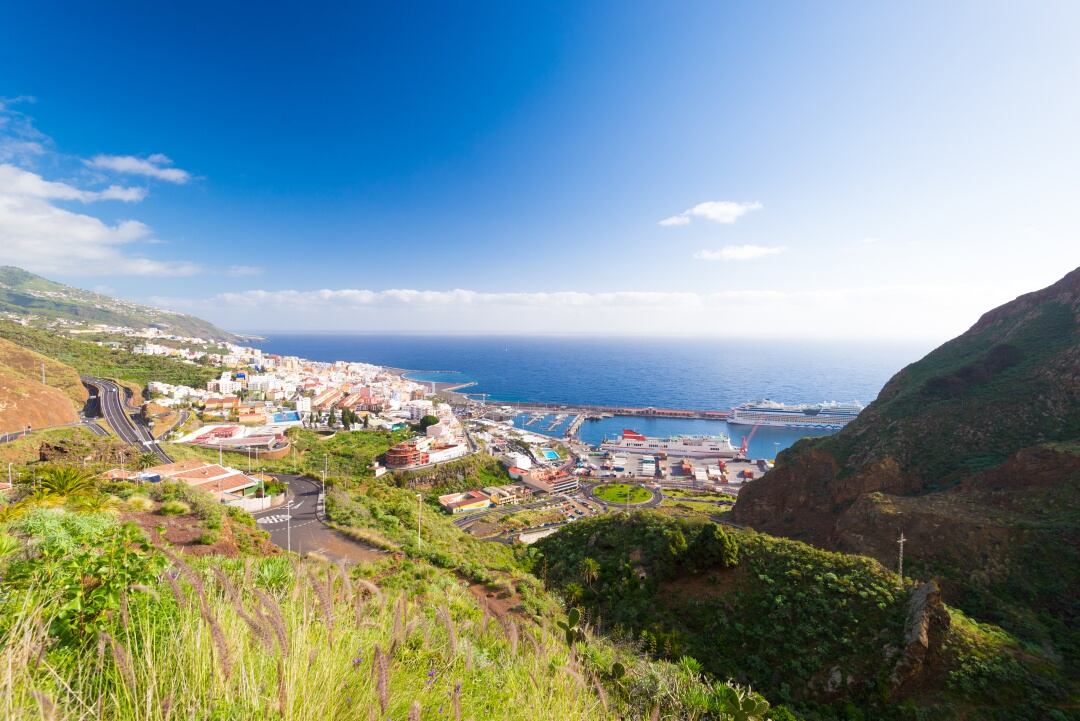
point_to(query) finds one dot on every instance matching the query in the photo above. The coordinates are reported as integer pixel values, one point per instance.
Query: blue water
(286, 417)
(673, 373)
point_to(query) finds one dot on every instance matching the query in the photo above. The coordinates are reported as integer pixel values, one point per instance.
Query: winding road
(109, 398)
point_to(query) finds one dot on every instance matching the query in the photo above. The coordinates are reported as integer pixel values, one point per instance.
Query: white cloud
(243, 270)
(812, 312)
(39, 236)
(16, 181)
(676, 220)
(153, 166)
(724, 212)
(739, 252)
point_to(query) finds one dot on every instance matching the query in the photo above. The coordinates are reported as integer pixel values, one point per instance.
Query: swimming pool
(550, 454)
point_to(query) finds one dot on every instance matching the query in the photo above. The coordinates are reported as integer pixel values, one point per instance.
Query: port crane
(744, 449)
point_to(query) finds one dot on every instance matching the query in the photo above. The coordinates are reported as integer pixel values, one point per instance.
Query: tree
(713, 547)
(146, 460)
(331, 420)
(590, 571)
(67, 481)
(428, 420)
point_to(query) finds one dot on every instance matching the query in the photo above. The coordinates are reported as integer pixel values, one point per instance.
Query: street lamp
(419, 512)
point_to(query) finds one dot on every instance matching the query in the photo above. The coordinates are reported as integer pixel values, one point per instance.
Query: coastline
(448, 390)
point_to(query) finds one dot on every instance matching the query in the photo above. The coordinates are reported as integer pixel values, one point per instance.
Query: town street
(298, 525)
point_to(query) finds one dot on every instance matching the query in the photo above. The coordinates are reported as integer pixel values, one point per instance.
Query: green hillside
(25, 294)
(970, 452)
(829, 633)
(95, 360)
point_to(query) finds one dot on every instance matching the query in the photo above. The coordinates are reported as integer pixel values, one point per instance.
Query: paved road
(84, 423)
(112, 402)
(299, 525)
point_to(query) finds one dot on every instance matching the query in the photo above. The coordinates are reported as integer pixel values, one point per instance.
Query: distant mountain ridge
(24, 293)
(973, 453)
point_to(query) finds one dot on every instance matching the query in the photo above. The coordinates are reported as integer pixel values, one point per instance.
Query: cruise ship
(685, 446)
(828, 416)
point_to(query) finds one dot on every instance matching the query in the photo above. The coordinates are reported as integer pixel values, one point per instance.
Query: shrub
(139, 502)
(209, 537)
(174, 508)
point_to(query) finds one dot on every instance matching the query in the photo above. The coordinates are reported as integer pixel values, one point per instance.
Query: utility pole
(219, 461)
(900, 565)
(9, 474)
(43, 373)
(419, 511)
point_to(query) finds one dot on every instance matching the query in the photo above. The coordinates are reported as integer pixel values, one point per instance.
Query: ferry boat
(828, 416)
(686, 446)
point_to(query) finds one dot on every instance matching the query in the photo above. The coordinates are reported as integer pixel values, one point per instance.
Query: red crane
(744, 449)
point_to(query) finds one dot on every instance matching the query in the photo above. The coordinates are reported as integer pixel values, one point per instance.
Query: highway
(112, 403)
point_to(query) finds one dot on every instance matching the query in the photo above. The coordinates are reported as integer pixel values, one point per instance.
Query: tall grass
(268, 639)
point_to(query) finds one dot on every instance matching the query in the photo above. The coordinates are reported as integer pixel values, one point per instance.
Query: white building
(511, 459)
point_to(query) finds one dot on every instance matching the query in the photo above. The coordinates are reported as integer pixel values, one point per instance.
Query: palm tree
(590, 571)
(94, 503)
(67, 481)
(146, 460)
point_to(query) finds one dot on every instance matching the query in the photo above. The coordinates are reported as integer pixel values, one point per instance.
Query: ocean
(663, 372)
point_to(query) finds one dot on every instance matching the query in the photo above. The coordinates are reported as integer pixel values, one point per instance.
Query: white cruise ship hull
(819, 423)
(683, 451)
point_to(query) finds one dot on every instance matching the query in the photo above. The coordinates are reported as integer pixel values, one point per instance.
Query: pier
(589, 410)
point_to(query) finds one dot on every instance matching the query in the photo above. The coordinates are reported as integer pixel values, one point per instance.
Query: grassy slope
(91, 359)
(782, 618)
(955, 412)
(272, 637)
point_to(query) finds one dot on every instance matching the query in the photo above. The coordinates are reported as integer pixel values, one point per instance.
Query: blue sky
(857, 169)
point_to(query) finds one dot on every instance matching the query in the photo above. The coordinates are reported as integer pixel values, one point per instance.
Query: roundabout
(621, 494)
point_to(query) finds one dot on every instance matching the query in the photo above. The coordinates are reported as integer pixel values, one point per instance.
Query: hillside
(156, 602)
(972, 453)
(25, 294)
(95, 360)
(830, 634)
(24, 401)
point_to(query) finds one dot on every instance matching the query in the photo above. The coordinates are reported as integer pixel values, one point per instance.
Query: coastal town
(548, 476)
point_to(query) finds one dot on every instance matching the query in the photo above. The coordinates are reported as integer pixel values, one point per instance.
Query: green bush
(209, 537)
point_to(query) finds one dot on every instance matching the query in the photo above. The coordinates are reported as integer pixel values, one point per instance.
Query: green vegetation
(622, 493)
(27, 294)
(98, 618)
(475, 471)
(345, 453)
(784, 617)
(94, 360)
(967, 451)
